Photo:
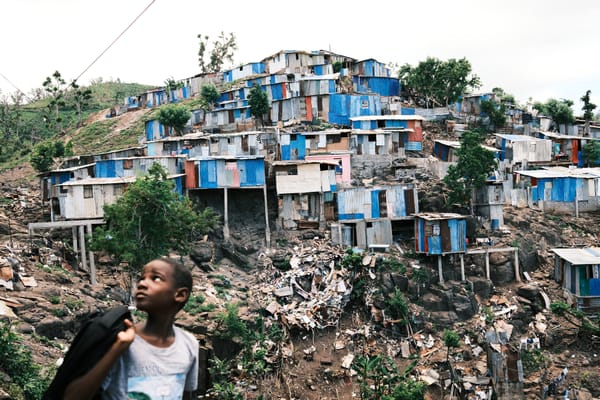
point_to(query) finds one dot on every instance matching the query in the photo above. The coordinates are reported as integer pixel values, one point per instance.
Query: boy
(152, 359)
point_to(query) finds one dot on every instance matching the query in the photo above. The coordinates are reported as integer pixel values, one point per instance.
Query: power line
(13, 85)
(114, 41)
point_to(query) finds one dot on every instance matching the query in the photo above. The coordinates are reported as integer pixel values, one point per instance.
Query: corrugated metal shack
(244, 71)
(136, 166)
(343, 170)
(227, 173)
(217, 172)
(366, 215)
(305, 192)
(297, 145)
(561, 189)
(566, 147)
(408, 128)
(86, 198)
(188, 144)
(523, 150)
(578, 272)
(440, 233)
(489, 203)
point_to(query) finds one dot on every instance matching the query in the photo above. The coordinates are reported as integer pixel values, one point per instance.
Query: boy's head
(163, 281)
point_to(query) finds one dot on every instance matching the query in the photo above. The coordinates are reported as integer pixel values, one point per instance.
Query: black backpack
(89, 345)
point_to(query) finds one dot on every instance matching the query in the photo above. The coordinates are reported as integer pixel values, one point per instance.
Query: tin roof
(388, 117)
(439, 216)
(580, 256)
(562, 172)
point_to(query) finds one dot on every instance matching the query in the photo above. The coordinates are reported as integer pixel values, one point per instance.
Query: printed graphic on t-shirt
(167, 387)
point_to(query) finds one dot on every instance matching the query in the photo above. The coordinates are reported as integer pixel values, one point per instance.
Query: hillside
(303, 347)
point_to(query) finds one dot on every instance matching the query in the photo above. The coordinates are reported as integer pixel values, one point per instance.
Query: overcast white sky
(538, 49)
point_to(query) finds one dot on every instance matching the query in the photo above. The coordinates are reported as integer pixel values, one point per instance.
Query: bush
(559, 307)
(28, 380)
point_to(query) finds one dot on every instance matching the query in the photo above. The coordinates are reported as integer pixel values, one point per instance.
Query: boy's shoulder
(185, 335)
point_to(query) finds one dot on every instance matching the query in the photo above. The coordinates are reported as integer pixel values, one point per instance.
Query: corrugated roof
(226, 157)
(557, 135)
(518, 138)
(108, 181)
(72, 168)
(456, 145)
(388, 117)
(581, 256)
(562, 172)
(439, 216)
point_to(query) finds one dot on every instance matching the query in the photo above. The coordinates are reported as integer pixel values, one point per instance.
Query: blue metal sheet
(301, 146)
(375, 204)
(458, 235)
(208, 173)
(400, 203)
(435, 244)
(276, 92)
(407, 111)
(594, 287)
(286, 152)
(413, 146)
(350, 216)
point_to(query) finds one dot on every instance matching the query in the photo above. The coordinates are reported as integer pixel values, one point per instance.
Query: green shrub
(28, 380)
(559, 307)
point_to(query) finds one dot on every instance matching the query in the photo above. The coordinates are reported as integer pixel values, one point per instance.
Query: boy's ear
(181, 295)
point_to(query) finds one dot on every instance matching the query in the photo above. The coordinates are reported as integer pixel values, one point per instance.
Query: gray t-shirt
(148, 372)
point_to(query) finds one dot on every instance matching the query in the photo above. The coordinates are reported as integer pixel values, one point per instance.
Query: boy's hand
(125, 337)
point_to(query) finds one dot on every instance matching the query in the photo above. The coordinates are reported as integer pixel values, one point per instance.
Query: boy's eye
(156, 278)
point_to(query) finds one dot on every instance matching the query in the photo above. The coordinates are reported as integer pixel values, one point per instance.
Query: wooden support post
(75, 245)
(462, 267)
(82, 247)
(487, 264)
(267, 228)
(440, 271)
(517, 273)
(93, 280)
(322, 223)
(225, 215)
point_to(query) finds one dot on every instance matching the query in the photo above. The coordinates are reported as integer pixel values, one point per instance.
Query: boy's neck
(156, 330)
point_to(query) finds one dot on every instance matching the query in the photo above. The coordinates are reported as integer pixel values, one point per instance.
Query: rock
(498, 258)
(463, 307)
(502, 273)
(482, 287)
(530, 292)
(431, 302)
(201, 253)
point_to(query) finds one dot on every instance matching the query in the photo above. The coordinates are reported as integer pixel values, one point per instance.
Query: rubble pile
(312, 293)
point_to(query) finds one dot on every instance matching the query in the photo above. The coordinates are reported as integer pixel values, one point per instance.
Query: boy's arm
(87, 385)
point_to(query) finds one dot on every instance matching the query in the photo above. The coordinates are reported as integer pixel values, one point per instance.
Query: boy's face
(156, 287)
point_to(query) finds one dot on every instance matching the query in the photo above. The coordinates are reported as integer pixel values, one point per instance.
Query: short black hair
(181, 274)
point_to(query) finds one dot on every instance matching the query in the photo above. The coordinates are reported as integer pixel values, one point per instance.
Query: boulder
(482, 287)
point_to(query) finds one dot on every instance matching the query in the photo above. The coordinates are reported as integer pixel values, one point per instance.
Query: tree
(559, 110)
(496, 111)
(451, 340)
(55, 90)
(222, 50)
(42, 156)
(175, 116)
(209, 94)
(471, 171)
(170, 85)
(259, 103)
(588, 111)
(437, 83)
(81, 97)
(591, 152)
(149, 220)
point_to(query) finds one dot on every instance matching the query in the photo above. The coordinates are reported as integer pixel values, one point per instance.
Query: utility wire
(13, 85)
(114, 41)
